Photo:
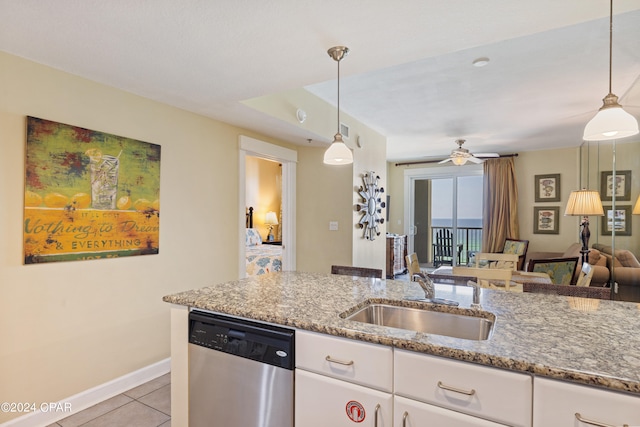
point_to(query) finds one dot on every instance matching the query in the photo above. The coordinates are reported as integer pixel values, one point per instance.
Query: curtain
(500, 207)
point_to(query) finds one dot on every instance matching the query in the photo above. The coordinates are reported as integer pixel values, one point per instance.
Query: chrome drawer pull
(375, 424)
(594, 423)
(404, 419)
(457, 390)
(340, 362)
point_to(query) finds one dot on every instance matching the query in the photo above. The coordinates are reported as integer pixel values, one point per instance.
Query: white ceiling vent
(344, 130)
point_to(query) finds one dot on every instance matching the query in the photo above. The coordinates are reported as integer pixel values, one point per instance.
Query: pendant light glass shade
(338, 153)
(611, 122)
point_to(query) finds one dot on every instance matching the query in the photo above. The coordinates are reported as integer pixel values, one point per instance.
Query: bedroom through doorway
(267, 189)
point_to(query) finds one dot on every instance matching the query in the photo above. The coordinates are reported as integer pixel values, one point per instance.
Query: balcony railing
(469, 237)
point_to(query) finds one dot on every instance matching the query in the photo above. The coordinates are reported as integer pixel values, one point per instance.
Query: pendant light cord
(610, 41)
(339, 94)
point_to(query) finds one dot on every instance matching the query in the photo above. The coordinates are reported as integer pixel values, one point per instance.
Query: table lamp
(636, 208)
(584, 203)
(271, 219)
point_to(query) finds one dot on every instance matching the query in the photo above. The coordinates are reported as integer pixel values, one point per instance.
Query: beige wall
(527, 164)
(322, 193)
(70, 326)
(66, 327)
(565, 162)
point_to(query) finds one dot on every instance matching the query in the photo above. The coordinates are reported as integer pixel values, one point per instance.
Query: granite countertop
(588, 341)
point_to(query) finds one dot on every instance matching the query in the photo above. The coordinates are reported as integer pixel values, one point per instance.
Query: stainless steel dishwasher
(240, 372)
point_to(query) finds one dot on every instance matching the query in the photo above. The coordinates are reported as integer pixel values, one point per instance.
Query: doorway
(446, 201)
(250, 147)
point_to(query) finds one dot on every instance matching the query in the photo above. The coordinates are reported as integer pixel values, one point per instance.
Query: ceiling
(409, 74)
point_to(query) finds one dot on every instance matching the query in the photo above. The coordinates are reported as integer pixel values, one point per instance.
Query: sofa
(626, 267)
(596, 259)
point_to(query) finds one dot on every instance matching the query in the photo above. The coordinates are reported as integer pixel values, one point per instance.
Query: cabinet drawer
(349, 360)
(420, 414)
(481, 391)
(556, 403)
(321, 401)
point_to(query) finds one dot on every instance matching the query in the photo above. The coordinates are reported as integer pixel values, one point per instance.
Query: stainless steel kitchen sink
(465, 324)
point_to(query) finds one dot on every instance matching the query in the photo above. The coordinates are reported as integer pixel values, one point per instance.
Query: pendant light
(338, 153)
(611, 121)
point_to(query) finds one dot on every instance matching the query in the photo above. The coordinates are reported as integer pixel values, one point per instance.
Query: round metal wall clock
(371, 206)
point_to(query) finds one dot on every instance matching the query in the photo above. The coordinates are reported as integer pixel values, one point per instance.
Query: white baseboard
(92, 396)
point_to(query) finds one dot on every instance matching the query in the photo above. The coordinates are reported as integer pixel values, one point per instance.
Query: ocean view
(462, 222)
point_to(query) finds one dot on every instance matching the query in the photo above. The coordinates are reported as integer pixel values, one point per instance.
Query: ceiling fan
(460, 155)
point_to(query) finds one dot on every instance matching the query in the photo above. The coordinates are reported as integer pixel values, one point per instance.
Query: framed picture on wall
(621, 187)
(620, 219)
(547, 188)
(545, 220)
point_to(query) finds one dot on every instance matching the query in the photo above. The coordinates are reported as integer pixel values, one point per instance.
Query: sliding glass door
(444, 214)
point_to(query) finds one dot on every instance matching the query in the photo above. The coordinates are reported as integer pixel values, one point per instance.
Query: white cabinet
(358, 362)
(484, 392)
(411, 413)
(321, 401)
(558, 403)
(340, 382)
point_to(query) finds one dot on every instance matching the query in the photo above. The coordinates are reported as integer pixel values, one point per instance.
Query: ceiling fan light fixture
(459, 161)
(611, 121)
(338, 153)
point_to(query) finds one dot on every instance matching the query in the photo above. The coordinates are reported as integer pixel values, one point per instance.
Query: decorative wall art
(621, 188)
(547, 188)
(545, 220)
(88, 194)
(371, 205)
(620, 218)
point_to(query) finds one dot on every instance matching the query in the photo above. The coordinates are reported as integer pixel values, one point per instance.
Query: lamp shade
(610, 123)
(338, 153)
(636, 208)
(271, 218)
(583, 203)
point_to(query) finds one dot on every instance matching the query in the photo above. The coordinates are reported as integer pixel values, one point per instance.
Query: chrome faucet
(476, 293)
(426, 284)
(429, 289)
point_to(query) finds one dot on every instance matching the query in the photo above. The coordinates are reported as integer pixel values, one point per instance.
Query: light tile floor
(148, 405)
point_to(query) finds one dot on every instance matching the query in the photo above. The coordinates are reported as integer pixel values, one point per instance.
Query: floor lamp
(584, 203)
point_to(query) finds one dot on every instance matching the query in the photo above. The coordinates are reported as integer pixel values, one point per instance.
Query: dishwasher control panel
(252, 340)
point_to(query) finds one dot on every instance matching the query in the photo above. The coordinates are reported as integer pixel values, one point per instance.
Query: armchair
(560, 270)
(596, 259)
(518, 247)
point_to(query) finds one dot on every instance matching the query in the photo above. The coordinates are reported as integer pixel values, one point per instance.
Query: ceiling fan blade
(487, 155)
(448, 159)
(475, 160)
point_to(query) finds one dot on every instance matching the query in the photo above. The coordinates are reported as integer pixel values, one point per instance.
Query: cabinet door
(411, 413)
(322, 402)
(369, 365)
(479, 391)
(556, 403)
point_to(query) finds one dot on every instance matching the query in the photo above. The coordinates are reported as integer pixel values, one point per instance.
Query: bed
(261, 258)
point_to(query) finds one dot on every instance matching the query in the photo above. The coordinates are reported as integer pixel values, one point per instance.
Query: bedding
(261, 259)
